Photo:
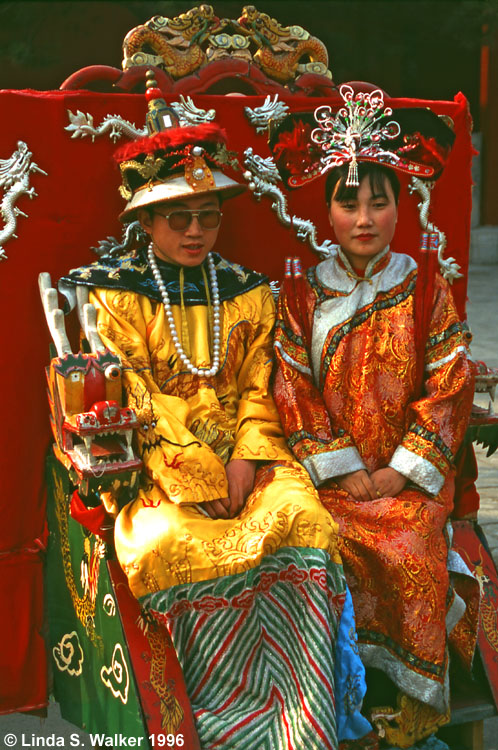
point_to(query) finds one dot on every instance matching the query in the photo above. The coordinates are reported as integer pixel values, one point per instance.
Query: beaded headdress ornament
(358, 130)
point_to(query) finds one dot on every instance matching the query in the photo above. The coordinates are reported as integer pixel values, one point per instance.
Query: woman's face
(189, 246)
(364, 225)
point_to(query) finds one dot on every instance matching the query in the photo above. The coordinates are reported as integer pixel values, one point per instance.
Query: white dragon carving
(449, 267)
(81, 124)
(262, 176)
(15, 174)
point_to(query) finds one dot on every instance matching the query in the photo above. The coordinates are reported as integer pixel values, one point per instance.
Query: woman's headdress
(173, 162)
(412, 140)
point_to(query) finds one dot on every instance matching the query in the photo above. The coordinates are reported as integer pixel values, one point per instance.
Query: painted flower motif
(294, 575)
(244, 600)
(443, 422)
(267, 580)
(353, 694)
(179, 608)
(335, 403)
(319, 576)
(209, 604)
(374, 402)
(353, 640)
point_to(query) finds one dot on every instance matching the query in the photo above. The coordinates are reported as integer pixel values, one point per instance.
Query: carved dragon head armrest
(93, 431)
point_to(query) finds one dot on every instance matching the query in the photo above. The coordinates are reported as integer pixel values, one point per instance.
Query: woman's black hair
(376, 173)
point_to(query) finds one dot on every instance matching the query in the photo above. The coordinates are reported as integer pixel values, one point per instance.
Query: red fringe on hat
(208, 132)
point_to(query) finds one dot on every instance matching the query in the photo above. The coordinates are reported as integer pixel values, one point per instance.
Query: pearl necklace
(201, 371)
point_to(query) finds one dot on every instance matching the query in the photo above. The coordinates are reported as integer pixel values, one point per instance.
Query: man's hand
(216, 508)
(240, 475)
(388, 482)
(358, 484)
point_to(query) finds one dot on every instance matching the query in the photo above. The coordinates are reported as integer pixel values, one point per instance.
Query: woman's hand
(240, 475)
(388, 482)
(358, 484)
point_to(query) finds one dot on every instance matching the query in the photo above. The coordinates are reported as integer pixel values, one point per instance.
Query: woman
(227, 542)
(377, 443)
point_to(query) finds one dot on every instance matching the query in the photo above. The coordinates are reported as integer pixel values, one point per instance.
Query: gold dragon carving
(282, 49)
(184, 44)
(176, 42)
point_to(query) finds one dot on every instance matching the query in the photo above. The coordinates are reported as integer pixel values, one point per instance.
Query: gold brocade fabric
(189, 429)
(346, 397)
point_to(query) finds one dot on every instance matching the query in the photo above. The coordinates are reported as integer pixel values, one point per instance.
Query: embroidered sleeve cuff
(324, 466)
(417, 469)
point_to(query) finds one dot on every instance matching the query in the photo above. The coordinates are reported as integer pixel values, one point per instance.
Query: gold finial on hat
(159, 116)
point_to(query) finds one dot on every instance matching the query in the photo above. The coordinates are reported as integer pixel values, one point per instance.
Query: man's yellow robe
(254, 604)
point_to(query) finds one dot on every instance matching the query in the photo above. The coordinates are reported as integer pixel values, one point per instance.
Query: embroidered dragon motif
(172, 713)
(84, 604)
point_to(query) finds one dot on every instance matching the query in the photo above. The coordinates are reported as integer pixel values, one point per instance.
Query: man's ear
(145, 218)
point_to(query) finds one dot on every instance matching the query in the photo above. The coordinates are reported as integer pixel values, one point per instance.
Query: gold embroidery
(236, 549)
(171, 710)
(84, 606)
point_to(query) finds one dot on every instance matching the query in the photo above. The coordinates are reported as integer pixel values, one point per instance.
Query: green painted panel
(93, 680)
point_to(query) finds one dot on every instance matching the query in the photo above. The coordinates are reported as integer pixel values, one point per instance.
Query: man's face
(186, 246)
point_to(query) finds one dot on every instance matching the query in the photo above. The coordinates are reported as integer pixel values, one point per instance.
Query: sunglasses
(208, 218)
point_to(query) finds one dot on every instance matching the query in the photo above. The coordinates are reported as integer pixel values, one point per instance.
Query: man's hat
(173, 162)
(412, 140)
